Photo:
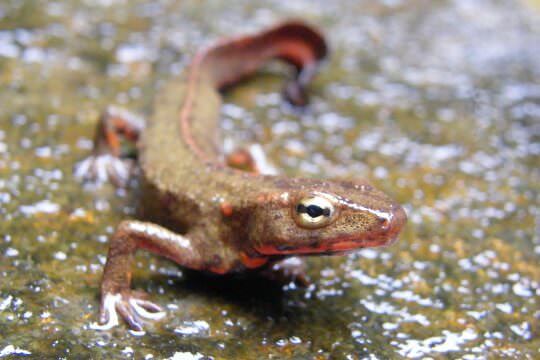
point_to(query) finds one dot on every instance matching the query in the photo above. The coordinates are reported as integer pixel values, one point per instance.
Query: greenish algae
(436, 104)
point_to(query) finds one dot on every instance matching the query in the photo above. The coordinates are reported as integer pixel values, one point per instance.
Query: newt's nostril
(384, 222)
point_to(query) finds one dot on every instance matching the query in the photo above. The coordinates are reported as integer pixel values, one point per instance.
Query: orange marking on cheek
(226, 209)
(252, 263)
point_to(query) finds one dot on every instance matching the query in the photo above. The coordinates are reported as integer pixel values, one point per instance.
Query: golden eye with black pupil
(313, 212)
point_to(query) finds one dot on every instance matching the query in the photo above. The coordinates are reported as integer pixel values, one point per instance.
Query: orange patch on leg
(218, 270)
(241, 159)
(252, 263)
(226, 209)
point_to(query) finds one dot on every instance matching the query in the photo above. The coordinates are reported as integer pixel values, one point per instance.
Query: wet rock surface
(437, 103)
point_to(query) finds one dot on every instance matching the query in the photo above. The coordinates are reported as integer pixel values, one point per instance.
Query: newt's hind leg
(251, 159)
(106, 163)
(117, 297)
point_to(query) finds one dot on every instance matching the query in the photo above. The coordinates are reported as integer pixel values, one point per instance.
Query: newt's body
(206, 216)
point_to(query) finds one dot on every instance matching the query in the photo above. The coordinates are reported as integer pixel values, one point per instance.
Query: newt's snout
(392, 225)
(384, 230)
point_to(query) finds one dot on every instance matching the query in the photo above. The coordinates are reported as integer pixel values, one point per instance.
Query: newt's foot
(103, 168)
(295, 94)
(291, 270)
(132, 307)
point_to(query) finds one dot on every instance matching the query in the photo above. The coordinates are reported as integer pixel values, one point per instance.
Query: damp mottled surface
(437, 103)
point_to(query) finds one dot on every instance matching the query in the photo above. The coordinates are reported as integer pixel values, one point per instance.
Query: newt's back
(165, 155)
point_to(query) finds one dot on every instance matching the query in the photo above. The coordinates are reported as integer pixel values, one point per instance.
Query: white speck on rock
(43, 152)
(5, 303)
(44, 206)
(128, 53)
(59, 255)
(12, 350)
(11, 252)
(186, 356)
(522, 290)
(523, 330)
(193, 328)
(127, 350)
(448, 342)
(505, 308)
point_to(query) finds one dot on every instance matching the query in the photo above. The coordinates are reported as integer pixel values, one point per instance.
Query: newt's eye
(313, 212)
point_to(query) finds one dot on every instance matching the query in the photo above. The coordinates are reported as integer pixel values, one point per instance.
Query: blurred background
(436, 102)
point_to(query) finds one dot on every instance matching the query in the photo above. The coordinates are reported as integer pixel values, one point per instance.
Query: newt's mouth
(335, 247)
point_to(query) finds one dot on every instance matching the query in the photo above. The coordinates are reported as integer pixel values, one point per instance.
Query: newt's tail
(294, 42)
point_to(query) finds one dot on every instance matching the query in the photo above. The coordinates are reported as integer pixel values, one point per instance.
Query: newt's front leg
(117, 297)
(290, 270)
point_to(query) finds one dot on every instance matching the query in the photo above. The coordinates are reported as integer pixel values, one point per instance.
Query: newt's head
(311, 217)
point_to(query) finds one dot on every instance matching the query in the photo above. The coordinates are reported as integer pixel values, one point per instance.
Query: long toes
(103, 168)
(104, 325)
(146, 309)
(122, 169)
(139, 295)
(108, 318)
(82, 168)
(129, 316)
(104, 316)
(119, 171)
(150, 306)
(100, 168)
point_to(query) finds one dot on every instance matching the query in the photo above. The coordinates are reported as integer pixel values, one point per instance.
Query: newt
(200, 210)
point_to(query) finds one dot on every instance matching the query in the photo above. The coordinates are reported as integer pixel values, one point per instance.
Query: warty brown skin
(207, 216)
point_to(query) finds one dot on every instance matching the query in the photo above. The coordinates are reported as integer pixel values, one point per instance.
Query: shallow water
(437, 103)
